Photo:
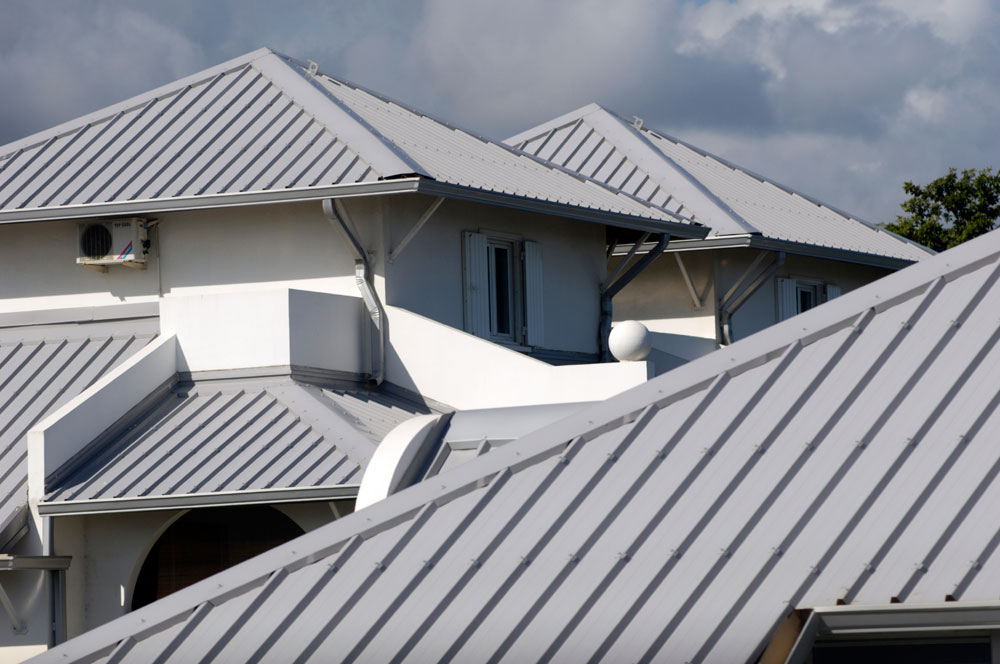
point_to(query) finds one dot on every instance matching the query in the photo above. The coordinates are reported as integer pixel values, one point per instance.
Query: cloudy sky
(841, 99)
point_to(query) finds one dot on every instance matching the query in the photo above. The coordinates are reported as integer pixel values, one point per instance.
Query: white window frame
(788, 294)
(482, 291)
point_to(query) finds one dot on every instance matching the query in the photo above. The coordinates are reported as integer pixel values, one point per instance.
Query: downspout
(736, 300)
(609, 290)
(363, 277)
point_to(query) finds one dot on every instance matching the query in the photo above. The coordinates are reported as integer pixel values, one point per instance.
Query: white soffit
(693, 183)
(847, 454)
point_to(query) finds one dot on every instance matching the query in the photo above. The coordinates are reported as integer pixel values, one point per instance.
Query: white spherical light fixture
(630, 341)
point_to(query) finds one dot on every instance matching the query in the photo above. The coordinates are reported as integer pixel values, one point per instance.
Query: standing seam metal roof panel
(725, 197)
(238, 435)
(40, 370)
(681, 520)
(264, 122)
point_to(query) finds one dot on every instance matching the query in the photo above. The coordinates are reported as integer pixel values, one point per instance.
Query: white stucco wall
(760, 310)
(204, 251)
(427, 276)
(108, 551)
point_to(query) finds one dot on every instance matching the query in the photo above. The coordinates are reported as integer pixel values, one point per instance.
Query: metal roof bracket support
(741, 292)
(18, 626)
(610, 289)
(374, 348)
(394, 253)
(695, 298)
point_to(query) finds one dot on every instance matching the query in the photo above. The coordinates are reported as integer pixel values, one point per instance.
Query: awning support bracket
(424, 218)
(18, 626)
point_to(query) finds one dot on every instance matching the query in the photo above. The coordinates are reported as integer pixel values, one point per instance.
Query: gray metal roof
(229, 436)
(846, 454)
(265, 124)
(693, 183)
(42, 368)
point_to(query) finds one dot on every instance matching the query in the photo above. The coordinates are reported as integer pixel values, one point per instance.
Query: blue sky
(841, 99)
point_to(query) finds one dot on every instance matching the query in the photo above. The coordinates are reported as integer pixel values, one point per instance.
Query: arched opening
(206, 541)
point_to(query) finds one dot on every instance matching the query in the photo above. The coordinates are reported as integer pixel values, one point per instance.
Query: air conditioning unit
(112, 242)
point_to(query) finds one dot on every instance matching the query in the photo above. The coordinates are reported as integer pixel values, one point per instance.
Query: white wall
(427, 277)
(285, 245)
(760, 310)
(108, 550)
(464, 371)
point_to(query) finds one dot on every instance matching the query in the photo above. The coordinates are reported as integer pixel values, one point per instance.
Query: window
(798, 295)
(503, 288)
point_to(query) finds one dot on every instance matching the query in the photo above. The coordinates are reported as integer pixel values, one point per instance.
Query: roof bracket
(613, 286)
(695, 298)
(395, 252)
(748, 284)
(18, 626)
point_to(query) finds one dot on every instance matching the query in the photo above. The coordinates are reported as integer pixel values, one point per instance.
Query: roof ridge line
(633, 132)
(387, 160)
(478, 136)
(795, 192)
(130, 103)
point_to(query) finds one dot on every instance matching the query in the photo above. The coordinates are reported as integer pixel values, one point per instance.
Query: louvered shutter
(534, 310)
(788, 304)
(832, 291)
(476, 290)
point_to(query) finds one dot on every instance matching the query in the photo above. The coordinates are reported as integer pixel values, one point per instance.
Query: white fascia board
(336, 118)
(59, 437)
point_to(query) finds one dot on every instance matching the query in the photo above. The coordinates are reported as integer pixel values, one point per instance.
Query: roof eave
(403, 185)
(797, 248)
(187, 501)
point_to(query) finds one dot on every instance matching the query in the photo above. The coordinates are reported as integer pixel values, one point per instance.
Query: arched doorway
(206, 541)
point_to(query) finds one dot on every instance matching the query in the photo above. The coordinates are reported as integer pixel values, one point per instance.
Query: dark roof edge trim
(678, 229)
(798, 248)
(405, 185)
(185, 501)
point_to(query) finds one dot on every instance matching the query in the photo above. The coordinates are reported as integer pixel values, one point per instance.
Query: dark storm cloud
(841, 99)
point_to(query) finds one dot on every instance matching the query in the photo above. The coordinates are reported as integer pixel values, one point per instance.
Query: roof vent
(112, 242)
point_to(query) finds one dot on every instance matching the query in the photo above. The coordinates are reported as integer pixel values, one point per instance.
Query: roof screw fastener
(525, 560)
(612, 457)
(660, 454)
(379, 565)
(860, 444)
(905, 325)
(920, 567)
(474, 562)
(624, 557)
(975, 564)
(869, 568)
(574, 558)
(707, 451)
(955, 323)
(776, 551)
(725, 553)
(963, 439)
(760, 448)
(815, 570)
(809, 446)
(909, 442)
(562, 459)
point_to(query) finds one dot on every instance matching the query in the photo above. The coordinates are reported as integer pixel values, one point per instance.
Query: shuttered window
(502, 288)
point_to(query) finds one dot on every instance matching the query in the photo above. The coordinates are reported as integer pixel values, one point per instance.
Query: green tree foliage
(951, 209)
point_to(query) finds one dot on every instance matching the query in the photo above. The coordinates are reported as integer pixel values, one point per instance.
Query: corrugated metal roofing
(42, 368)
(693, 183)
(847, 454)
(237, 435)
(264, 123)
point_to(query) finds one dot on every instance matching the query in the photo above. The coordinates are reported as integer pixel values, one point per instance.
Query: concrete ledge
(57, 438)
(465, 372)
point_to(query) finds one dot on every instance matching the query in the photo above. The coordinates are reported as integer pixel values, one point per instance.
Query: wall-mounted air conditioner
(112, 242)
